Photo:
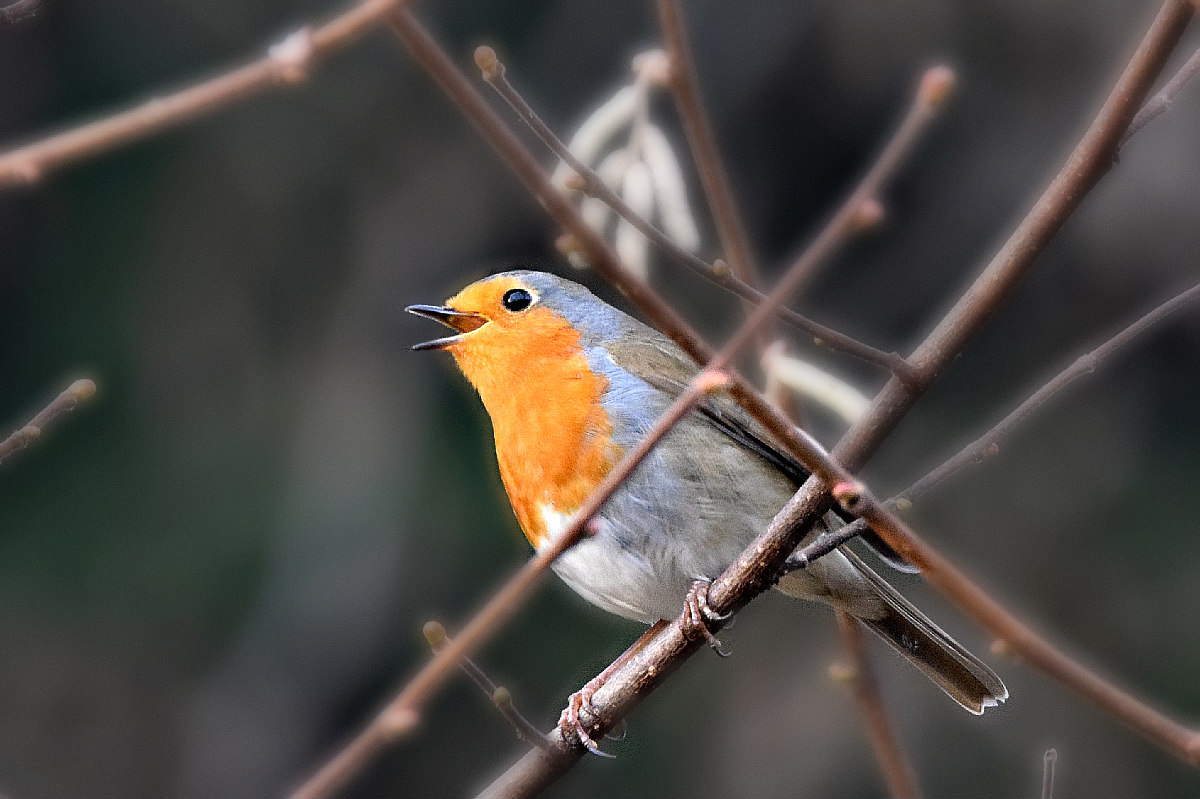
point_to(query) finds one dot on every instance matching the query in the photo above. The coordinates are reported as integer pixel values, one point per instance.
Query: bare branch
(65, 402)
(493, 71)
(286, 63)
(897, 770)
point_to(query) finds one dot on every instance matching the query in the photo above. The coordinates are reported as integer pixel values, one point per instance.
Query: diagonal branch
(698, 129)
(285, 63)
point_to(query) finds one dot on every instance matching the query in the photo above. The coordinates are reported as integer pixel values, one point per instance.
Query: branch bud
(712, 380)
(936, 85)
(435, 634)
(294, 54)
(82, 389)
(841, 673)
(653, 66)
(488, 62)
(849, 494)
(868, 215)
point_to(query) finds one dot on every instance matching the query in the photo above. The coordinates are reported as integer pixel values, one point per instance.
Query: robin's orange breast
(553, 437)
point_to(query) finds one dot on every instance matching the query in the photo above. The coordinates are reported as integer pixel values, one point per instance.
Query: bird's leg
(569, 721)
(697, 616)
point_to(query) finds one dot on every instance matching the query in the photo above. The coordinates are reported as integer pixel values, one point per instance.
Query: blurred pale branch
(64, 403)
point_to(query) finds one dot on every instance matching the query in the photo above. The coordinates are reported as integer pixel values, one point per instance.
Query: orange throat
(553, 437)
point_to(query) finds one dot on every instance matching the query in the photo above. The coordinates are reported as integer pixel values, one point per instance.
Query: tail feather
(964, 677)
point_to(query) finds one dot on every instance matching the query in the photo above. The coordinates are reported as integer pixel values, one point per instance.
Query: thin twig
(286, 63)
(703, 142)
(1162, 102)
(897, 770)
(493, 71)
(500, 696)
(761, 561)
(987, 444)
(65, 402)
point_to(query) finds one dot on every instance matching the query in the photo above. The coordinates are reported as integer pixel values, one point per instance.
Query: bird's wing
(659, 362)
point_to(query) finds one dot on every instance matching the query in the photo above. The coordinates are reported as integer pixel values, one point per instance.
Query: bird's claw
(698, 615)
(570, 721)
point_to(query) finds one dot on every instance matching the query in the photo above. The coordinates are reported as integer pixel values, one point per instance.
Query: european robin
(570, 384)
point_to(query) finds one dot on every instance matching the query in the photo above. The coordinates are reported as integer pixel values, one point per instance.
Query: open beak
(462, 321)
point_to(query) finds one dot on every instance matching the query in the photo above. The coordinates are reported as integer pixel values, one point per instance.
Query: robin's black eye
(516, 299)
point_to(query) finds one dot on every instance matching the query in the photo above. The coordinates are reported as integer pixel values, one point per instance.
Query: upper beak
(462, 321)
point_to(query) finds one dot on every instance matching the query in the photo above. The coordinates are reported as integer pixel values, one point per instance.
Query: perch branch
(65, 402)
(286, 63)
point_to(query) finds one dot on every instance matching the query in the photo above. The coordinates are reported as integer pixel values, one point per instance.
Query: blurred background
(218, 569)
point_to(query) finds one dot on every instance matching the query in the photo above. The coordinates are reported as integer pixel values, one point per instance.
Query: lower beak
(462, 321)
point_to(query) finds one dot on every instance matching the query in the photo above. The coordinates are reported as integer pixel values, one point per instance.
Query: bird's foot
(697, 616)
(570, 721)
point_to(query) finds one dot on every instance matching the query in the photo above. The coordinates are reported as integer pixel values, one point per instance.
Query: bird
(570, 384)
